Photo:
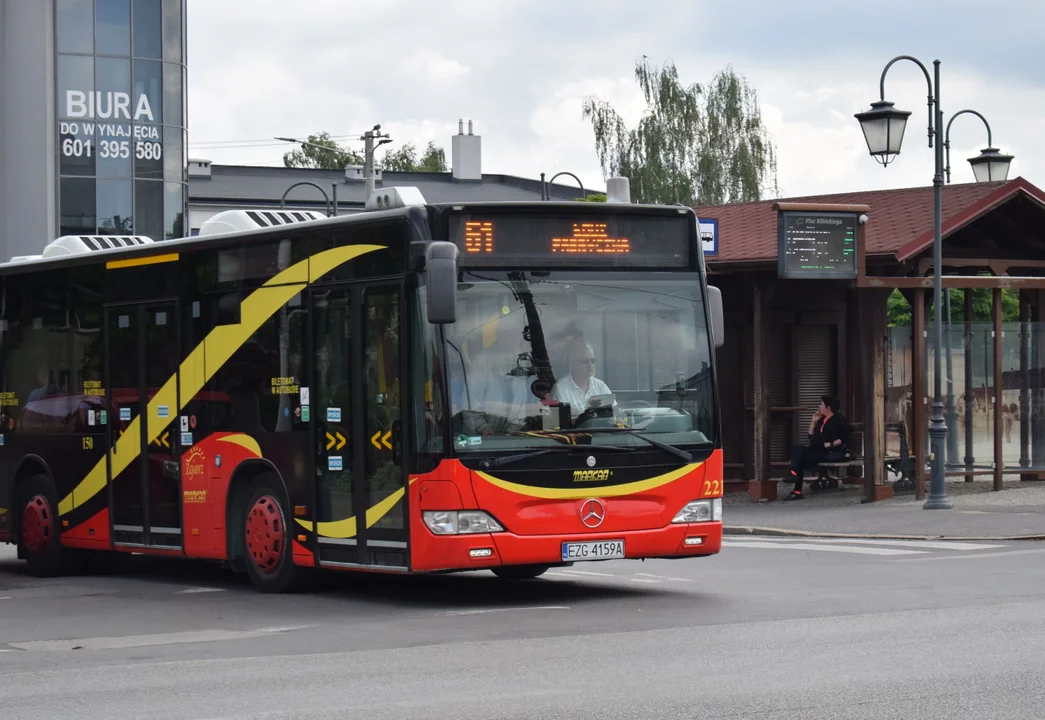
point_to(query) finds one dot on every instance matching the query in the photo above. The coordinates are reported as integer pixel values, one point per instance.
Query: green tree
(594, 197)
(695, 145)
(898, 310)
(405, 159)
(321, 153)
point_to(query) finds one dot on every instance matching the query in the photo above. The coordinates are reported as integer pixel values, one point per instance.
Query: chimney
(466, 154)
(199, 168)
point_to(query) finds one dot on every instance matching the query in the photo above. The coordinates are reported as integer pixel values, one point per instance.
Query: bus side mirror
(441, 282)
(718, 321)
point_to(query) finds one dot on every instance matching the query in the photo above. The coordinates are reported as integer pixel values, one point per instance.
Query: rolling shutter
(778, 386)
(816, 354)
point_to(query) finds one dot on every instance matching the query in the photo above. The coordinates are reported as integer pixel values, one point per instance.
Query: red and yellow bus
(418, 388)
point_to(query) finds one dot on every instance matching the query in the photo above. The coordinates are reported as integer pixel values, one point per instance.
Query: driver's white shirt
(568, 391)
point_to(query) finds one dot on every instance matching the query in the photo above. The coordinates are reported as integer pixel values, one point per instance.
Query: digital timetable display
(542, 239)
(817, 245)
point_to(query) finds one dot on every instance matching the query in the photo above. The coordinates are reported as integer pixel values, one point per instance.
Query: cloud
(520, 69)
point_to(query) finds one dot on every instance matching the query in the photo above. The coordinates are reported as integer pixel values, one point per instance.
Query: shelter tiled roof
(900, 222)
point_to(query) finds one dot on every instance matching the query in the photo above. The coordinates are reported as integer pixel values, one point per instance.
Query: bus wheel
(40, 530)
(267, 539)
(519, 572)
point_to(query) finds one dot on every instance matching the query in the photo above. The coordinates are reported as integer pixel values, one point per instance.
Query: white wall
(28, 219)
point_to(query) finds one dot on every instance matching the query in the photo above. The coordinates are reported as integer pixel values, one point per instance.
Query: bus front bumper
(437, 553)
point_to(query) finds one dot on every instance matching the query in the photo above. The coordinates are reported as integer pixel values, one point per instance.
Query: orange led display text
(478, 237)
(591, 238)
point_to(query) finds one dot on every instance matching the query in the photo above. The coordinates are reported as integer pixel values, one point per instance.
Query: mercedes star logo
(591, 461)
(593, 512)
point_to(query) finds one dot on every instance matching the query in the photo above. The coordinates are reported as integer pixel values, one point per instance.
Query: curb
(783, 532)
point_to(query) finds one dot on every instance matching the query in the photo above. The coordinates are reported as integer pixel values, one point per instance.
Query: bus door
(357, 388)
(144, 476)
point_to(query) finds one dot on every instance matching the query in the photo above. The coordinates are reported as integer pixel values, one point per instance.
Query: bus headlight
(460, 522)
(700, 511)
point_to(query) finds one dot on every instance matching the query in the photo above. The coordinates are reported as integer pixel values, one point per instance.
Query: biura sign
(107, 105)
(83, 137)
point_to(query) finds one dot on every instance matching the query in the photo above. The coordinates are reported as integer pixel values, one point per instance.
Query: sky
(521, 69)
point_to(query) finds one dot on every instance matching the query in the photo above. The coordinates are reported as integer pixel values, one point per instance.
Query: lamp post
(883, 127)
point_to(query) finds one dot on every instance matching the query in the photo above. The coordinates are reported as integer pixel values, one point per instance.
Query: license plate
(600, 550)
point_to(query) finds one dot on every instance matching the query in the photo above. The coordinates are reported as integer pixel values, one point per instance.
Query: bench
(832, 475)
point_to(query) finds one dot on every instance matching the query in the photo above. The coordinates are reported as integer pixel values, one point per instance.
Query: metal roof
(256, 185)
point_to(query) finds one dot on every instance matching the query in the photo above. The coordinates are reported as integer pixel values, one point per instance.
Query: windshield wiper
(506, 459)
(670, 449)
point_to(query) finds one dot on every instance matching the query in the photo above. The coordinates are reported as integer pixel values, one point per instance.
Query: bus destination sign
(817, 245)
(607, 240)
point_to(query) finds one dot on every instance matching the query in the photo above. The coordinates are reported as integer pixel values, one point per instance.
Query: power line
(258, 142)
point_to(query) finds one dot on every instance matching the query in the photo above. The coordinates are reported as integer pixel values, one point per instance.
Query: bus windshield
(536, 357)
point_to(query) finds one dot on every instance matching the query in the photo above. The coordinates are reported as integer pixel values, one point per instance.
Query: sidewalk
(1017, 512)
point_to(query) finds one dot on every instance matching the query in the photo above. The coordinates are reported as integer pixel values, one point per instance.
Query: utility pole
(368, 156)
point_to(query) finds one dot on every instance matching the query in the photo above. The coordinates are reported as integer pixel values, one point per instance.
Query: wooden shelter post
(761, 488)
(872, 329)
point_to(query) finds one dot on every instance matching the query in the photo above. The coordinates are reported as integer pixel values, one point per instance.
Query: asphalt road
(771, 628)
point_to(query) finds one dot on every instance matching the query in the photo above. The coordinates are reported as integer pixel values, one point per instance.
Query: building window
(173, 210)
(148, 81)
(172, 89)
(113, 138)
(148, 23)
(112, 27)
(75, 85)
(172, 31)
(71, 17)
(173, 154)
(148, 209)
(78, 206)
(115, 208)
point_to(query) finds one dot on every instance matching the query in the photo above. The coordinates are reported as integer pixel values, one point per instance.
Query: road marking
(975, 556)
(665, 577)
(134, 641)
(513, 609)
(585, 572)
(193, 591)
(928, 544)
(758, 544)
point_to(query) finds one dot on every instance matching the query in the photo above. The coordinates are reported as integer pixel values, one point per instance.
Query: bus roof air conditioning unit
(394, 197)
(82, 244)
(240, 220)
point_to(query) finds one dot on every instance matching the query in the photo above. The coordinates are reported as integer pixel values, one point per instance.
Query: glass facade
(120, 105)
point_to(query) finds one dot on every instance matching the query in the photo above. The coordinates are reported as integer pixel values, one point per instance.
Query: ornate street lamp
(990, 165)
(883, 128)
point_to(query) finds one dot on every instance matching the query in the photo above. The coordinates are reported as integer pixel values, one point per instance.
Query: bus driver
(580, 384)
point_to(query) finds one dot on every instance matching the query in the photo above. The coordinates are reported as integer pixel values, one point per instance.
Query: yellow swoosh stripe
(346, 528)
(206, 359)
(245, 441)
(589, 491)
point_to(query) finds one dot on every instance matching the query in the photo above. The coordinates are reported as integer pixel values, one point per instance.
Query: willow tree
(696, 145)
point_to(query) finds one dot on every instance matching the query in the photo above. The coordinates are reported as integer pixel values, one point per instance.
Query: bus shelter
(867, 337)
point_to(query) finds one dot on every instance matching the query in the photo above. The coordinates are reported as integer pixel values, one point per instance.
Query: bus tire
(39, 530)
(519, 572)
(267, 539)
